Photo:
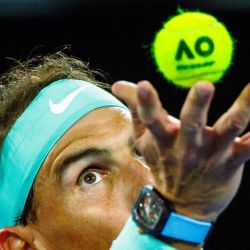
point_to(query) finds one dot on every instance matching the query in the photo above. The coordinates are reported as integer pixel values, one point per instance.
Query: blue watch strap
(186, 229)
(131, 239)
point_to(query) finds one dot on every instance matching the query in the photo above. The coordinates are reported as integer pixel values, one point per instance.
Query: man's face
(88, 183)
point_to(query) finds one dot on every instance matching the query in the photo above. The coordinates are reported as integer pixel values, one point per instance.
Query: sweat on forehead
(54, 110)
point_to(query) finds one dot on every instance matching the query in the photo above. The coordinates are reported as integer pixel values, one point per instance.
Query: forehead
(98, 121)
(102, 124)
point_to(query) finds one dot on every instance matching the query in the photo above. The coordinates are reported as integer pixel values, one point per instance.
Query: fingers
(147, 111)
(234, 121)
(152, 114)
(240, 151)
(127, 92)
(194, 113)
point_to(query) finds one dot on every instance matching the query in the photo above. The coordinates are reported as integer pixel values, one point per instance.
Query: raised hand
(198, 168)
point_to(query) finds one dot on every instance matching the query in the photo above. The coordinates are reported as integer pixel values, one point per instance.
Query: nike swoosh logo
(58, 108)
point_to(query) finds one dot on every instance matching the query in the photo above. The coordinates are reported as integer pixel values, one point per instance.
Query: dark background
(115, 36)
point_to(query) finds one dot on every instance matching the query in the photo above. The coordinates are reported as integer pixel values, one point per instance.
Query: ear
(17, 238)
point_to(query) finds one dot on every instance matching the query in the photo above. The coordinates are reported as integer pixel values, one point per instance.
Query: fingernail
(201, 92)
(115, 88)
(204, 89)
(144, 93)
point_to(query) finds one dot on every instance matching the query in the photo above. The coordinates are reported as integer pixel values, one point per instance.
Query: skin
(69, 205)
(198, 168)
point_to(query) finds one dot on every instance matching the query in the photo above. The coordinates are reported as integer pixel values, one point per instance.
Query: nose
(137, 175)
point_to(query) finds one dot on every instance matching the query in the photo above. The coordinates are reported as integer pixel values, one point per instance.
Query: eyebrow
(89, 152)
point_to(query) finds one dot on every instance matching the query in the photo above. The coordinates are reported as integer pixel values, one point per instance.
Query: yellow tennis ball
(193, 46)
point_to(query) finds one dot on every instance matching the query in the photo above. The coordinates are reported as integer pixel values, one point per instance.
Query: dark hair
(20, 85)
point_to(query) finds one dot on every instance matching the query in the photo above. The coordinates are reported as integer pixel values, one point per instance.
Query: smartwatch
(155, 215)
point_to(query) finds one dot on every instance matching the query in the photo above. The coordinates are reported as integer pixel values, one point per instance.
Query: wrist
(196, 213)
(193, 210)
(155, 215)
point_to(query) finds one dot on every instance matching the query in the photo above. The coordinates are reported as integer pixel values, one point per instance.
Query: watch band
(130, 238)
(155, 215)
(186, 229)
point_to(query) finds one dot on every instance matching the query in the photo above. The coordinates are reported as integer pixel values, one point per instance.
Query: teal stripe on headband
(56, 108)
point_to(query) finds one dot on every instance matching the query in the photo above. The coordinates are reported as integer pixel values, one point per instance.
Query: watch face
(150, 211)
(154, 214)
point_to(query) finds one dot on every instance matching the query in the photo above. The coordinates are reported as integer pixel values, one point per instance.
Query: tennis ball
(193, 46)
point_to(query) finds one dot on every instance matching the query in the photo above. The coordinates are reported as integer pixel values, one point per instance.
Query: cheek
(95, 214)
(80, 218)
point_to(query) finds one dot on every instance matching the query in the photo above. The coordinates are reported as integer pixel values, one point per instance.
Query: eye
(91, 177)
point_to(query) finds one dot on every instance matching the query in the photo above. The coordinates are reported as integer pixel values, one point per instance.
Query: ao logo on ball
(191, 47)
(203, 46)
